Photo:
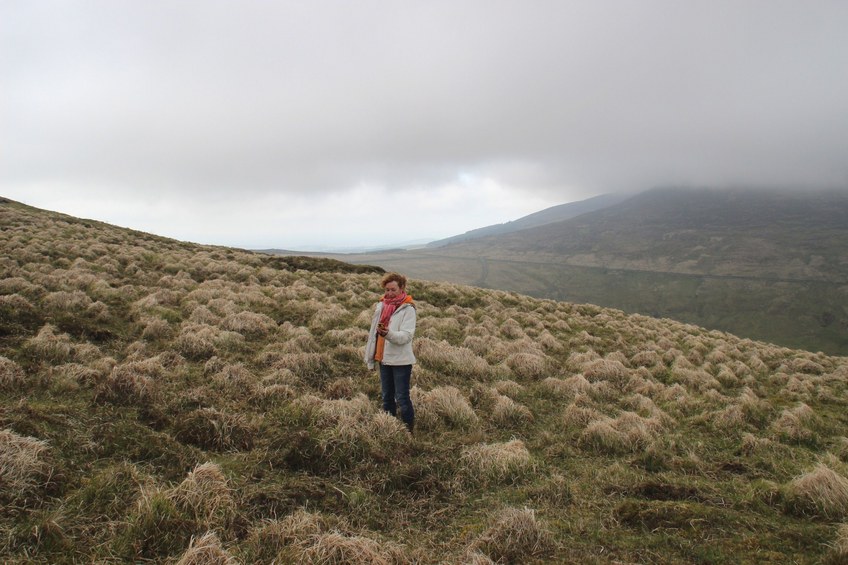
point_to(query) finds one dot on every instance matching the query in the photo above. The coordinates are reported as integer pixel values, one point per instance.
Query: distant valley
(768, 265)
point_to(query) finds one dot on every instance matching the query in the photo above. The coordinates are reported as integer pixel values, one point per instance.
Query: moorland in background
(176, 403)
(768, 265)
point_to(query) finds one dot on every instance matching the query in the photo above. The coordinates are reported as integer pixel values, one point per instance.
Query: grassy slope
(153, 391)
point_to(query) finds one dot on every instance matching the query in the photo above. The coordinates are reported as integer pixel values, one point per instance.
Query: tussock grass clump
(156, 329)
(11, 375)
(200, 314)
(266, 541)
(605, 370)
(17, 312)
(507, 462)
(838, 553)
(133, 383)
(236, 378)
(646, 358)
(507, 412)
(375, 437)
(528, 365)
(694, 379)
(205, 495)
(803, 365)
(450, 360)
(312, 368)
(24, 465)
(514, 536)
(213, 429)
(580, 413)
(197, 341)
(252, 325)
(794, 424)
(49, 346)
(327, 317)
(626, 433)
(445, 406)
(342, 547)
(347, 336)
(508, 387)
(206, 550)
(556, 387)
(821, 492)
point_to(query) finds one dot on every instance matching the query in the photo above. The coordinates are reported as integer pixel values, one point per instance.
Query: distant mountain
(543, 217)
(765, 264)
(756, 233)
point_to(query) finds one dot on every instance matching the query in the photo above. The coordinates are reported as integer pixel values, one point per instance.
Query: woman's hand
(382, 330)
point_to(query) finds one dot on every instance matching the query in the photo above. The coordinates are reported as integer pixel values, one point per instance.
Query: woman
(390, 345)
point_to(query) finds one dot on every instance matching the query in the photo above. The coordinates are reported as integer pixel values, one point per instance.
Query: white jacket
(398, 350)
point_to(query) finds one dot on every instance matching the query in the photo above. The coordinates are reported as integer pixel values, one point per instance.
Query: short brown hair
(393, 277)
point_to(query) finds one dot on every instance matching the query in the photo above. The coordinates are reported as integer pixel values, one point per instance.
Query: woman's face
(392, 289)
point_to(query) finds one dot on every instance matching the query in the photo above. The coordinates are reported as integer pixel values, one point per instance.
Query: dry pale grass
(337, 548)
(205, 494)
(497, 462)
(626, 433)
(49, 346)
(71, 302)
(132, 383)
(215, 429)
(273, 536)
(11, 375)
(838, 553)
(514, 536)
(200, 314)
(641, 382)
(507, 412)
(156, 329)
(347, 336)
(580, 413)
(695, 379)
(206, 550)
(475, 557)
(236, 377)
(508, 387)
(752, 444)
(443, 357)
(605, 370)
(511, 329)
(24, 464)
(578, 359)
(252, 325)
(443, 406)
(793, 424)
(197, 341)
(354, 432)
(312, 368)
(821, 492)
(529, 366)
(804, 365)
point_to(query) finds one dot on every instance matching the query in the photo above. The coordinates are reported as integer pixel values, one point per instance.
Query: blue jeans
(394, 381)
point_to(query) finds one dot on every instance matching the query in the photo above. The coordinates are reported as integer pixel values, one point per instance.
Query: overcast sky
(302, 124)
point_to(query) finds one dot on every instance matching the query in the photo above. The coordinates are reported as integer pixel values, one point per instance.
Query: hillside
(767, 265)
(543, 217)
(168, 402)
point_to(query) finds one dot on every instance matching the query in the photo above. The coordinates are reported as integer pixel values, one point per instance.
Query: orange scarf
(389, 307)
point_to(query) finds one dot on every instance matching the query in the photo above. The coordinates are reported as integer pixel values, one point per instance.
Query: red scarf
(390, 305)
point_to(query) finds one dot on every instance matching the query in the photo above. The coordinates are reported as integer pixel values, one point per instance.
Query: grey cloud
(214, 97)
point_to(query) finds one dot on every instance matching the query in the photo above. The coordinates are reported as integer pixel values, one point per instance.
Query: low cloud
(199, 110)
